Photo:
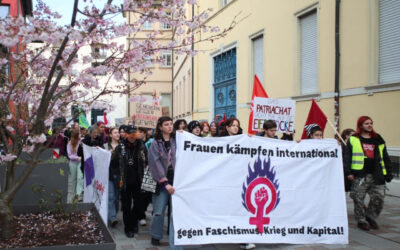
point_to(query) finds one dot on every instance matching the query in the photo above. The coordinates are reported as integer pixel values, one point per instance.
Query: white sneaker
(247, 246)
(142, 222)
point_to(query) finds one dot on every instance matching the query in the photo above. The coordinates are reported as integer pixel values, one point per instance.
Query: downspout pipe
(172, 79)
(129, 72)
(337, 65)
(191, 108)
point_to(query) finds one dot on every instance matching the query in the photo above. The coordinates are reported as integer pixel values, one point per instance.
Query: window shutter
(389, 41)
(308, 53)
(258, 57)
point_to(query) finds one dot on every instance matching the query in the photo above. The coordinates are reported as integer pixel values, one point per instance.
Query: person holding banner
(269, 127)
(133, 161)
(368, 165)
(162, 166)
(231, 127)
(205, 129)
(113, 176)
(194, 127)
(315, 132)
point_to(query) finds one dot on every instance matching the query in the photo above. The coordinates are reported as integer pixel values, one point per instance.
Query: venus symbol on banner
(261, 189)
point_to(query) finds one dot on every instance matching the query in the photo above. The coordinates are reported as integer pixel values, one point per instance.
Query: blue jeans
(113, 198)
(160, 202)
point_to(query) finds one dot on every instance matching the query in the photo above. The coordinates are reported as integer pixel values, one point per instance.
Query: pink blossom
(7, 157)
(80, 80)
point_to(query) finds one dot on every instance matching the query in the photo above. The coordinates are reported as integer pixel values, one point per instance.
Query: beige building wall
(161, 79)
(182, 83)
(278, 22)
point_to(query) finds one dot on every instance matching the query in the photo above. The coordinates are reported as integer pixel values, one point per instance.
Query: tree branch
(75, 10)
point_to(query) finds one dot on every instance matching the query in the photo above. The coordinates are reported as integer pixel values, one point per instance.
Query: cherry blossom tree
(42, 84)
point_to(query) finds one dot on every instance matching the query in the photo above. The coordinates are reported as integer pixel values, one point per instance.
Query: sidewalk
(387, 237)
(393, 188)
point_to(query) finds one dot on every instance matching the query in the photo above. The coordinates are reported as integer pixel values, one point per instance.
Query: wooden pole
(336, 132)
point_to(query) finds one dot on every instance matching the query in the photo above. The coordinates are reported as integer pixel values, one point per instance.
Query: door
(225, 84)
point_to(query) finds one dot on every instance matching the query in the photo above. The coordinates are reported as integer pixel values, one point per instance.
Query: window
(95, 114)
(148, 60)
(4, 11)
(147, 25)
(99, 51)
(166, 26)
(308, 53)
(4, 70)
(167, 59)
(389, 46)
(166, 101)
(258, 57)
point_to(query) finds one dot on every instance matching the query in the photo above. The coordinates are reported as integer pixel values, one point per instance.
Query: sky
(64, 8)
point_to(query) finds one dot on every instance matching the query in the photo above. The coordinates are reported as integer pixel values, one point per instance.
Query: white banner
(230, 189)
(282, 111)
(97, 163)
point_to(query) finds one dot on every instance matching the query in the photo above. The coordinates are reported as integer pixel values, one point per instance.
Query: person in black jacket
(133, 160)
(368, 166)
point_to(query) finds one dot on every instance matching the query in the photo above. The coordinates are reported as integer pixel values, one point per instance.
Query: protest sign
(97, 162)
(165, 111)
(242, 189)
(145, 115)
(282, 111)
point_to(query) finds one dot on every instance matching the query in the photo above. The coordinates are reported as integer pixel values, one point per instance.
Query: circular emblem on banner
(269, 193)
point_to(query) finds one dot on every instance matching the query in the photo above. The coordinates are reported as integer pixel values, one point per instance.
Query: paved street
(387, 237)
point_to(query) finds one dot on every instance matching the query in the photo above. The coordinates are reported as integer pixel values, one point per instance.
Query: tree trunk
(7, 223)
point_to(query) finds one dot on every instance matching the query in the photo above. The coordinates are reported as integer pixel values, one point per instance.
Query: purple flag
(89, 171)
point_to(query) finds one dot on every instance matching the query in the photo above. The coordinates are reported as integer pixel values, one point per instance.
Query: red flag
(56, 153)
(223, 120)
(105, 118)
(258, 90)
(316, 116)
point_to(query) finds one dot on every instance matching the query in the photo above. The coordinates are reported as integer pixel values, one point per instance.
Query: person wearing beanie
(368, 166)
(314, 131)
(194, 127)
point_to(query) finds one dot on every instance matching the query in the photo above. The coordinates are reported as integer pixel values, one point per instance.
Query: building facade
(304, 49)
(12, 8)
(98, 53)
(160, 82)
(182, 81)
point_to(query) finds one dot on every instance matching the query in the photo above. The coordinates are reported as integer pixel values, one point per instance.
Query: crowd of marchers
(367, 166)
